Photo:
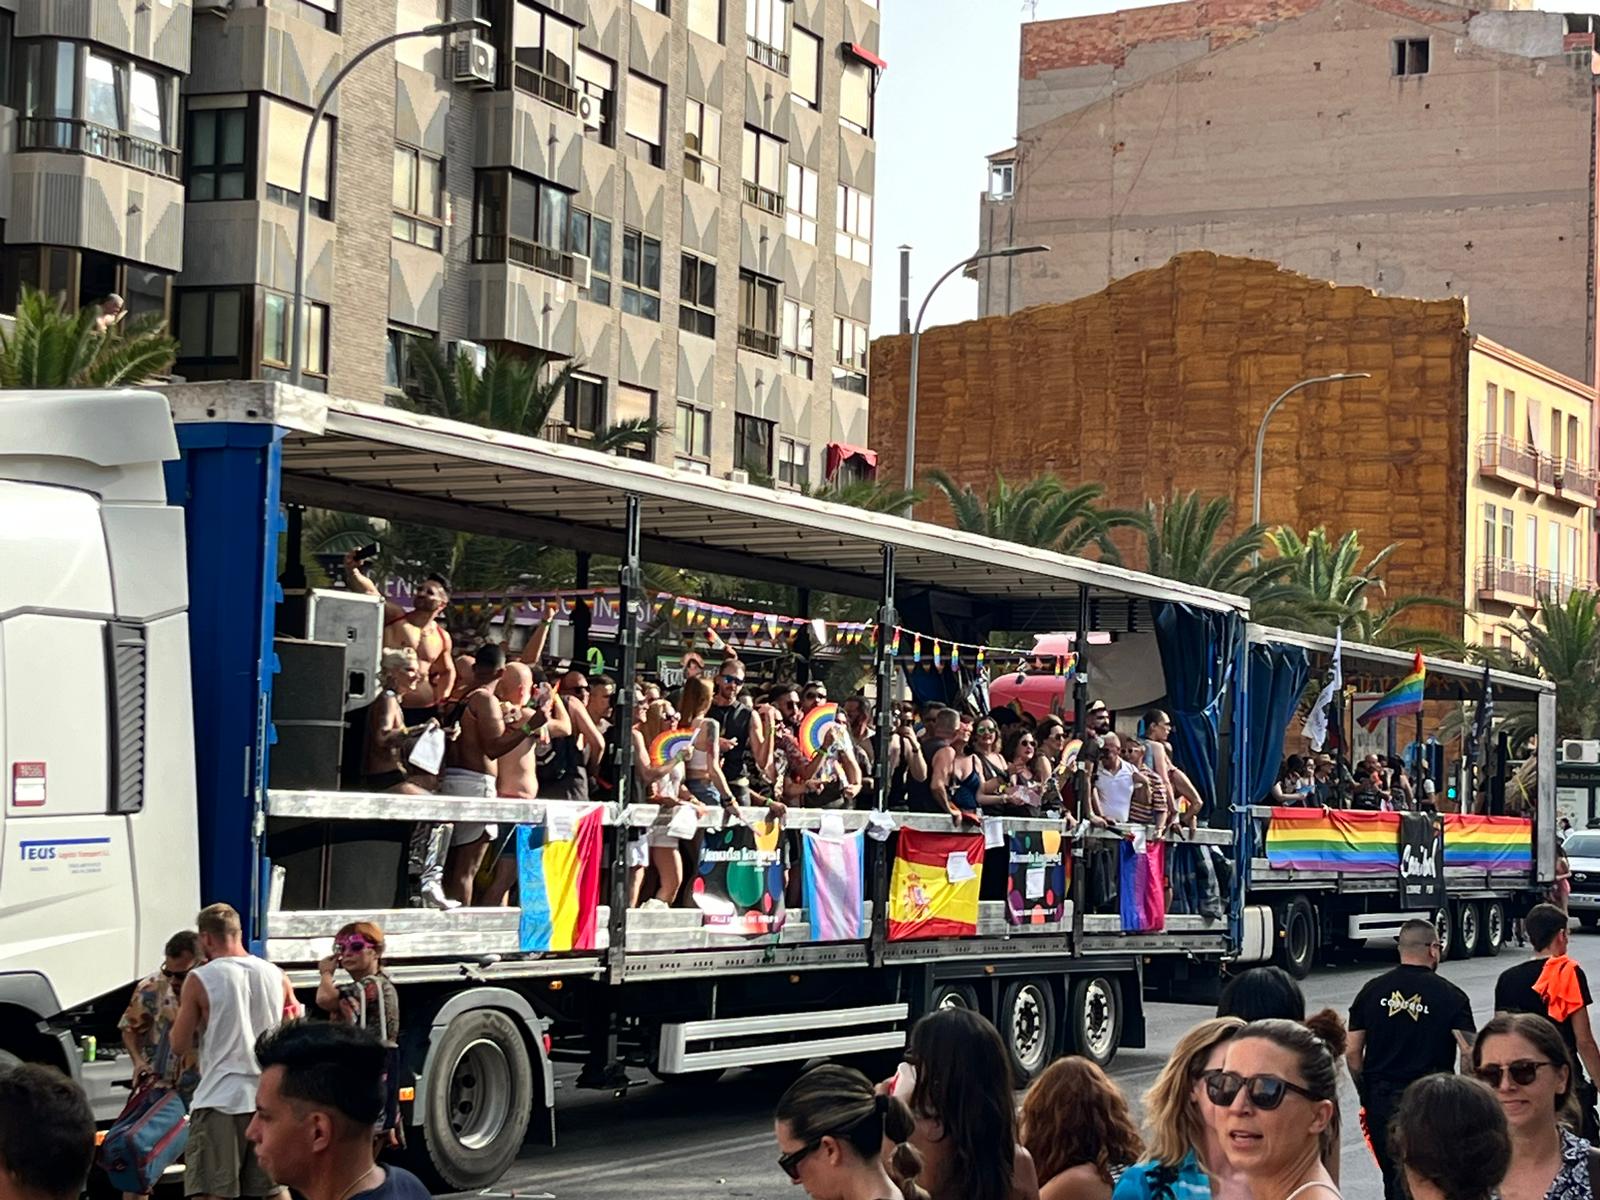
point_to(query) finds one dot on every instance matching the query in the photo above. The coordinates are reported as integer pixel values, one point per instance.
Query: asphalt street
(664, 1142)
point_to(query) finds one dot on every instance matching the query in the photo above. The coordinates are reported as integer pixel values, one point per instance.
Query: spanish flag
(933, 891)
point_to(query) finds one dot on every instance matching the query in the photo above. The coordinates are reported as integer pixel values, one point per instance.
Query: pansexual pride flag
(1403, 698)
(1488, 843)
(558, 884)
(1359, 843)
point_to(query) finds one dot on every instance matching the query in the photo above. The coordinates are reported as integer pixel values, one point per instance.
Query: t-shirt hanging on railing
(1036, 890)
(738, 885)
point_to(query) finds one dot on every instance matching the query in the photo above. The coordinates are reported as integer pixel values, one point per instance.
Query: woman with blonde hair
(664, 784)
(705, 780)
(1185, 1160)
(1077, 1126)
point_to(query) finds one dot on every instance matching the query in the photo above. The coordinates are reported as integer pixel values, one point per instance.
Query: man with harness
(420, 631)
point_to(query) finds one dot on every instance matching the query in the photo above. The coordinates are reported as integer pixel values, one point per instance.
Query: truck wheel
(1297, 941)
(1493, 936)
(1469, 929)
(1447, 933)
(1094, 1018)
(954, 995)
(479, 1099)
(1028, 1027)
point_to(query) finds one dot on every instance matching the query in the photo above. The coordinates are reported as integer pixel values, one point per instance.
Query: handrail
(99, 141)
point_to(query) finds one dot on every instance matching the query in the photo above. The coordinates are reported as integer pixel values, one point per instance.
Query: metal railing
(767, 56)
(763, 198)
(1556, 587)
(500, 247)
(1498, 454)
(1547, 472)
(551, 91)
(1581, 482)
(758, 340)
(101, 141)
(1507, 577)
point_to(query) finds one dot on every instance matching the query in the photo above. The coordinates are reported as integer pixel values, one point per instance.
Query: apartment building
(1531, 490)
(675, 194)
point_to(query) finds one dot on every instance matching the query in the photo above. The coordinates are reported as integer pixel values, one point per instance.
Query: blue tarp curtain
(1195, 645)
(1277, 679)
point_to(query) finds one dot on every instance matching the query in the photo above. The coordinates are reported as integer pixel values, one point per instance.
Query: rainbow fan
(1069, 752)
(816, 726)
(670, 743)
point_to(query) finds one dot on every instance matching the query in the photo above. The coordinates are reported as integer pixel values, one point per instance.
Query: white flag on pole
(1316, 726)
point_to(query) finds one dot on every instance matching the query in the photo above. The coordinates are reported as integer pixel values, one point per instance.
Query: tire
(1445, 925)
(1094, 1018)
(1297, 944)
(954, 995)
(1468, 930)
(1029, 1028)
(479, 1100)
(1493, 938)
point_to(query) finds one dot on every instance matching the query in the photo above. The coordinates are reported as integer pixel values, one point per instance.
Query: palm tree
(1043, 512)
(865, 493)
(49, 347)
(1182, 541)
(1563, 646)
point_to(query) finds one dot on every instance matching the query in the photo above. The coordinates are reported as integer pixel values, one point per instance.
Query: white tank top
(246, 995)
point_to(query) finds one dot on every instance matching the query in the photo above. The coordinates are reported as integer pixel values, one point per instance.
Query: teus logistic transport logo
(80, 854)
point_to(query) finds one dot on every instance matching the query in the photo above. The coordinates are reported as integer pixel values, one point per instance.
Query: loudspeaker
(340, 864)
(308, 715)
(355, 621)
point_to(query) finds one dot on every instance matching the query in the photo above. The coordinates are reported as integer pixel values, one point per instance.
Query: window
(799, 338)
(800, 205)
(7, 25)
(850, 355)
(1508, 411)
(276, 330)
(659, 6)
(1553, 563)
(752, 445)
(643, 118)
(764, 156)
(636, 404)
(1003, 183)
(1575, 454)
(399, 370)
(524, 220)
(1508, 535)
(418, 197)
(1491, 408)
(217, 158)
(208, 331)
(116, 97)
(758, 314)
(855, 96)
(641, 275)
(854, 237)
(591, 236)
(697, 296)
(1409, 56)
(766, 27)
(1574, 563)
(692, 434)
(702, 139)
(597, 79)
(585, 406)
(324, 14)
(1556, 426)
(1533, 543)
(543, 49)
(1488, 530)
(805, 68)
(705, 18)
(794, 464)
(285, 132)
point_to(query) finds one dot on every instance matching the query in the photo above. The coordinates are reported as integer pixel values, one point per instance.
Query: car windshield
(1582, 845)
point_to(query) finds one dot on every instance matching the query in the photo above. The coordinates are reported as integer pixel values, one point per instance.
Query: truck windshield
(1582, 845)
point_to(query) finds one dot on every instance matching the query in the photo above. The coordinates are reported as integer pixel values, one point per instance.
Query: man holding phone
(417, 630)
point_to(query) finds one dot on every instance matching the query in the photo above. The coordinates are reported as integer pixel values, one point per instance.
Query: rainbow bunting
(1488, 843)
(1356, 843)
(1403, 698)
(559, 885)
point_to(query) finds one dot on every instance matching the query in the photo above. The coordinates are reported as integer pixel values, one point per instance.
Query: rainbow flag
(558, 884)
(933, 891)
(1403, 698)
(835, 886)
(1357, 843)
(1488, 843)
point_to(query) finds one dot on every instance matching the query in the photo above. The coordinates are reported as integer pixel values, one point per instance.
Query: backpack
(146, 1139)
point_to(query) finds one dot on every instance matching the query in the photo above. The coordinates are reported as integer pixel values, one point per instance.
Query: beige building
(1412, 147)
(1531, 489)
(678, 194)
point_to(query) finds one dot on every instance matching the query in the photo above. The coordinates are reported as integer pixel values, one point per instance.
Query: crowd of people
(1376, 784)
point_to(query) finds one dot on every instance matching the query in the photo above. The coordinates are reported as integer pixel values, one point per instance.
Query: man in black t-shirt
(738, 726)
(1406, 1023)
(1546, 927)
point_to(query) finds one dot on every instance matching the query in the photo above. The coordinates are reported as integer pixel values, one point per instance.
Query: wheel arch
(512, 1004)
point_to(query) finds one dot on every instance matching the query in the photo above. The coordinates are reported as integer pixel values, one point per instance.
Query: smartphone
(367, 553)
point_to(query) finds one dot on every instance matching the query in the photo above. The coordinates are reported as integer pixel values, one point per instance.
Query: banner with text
(1421, 861)
(738, 884)
(1036, 891)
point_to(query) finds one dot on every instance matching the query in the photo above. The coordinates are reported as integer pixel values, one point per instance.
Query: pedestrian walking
(1451, 1139)
(1522, 1057)
(227, 1004)
(1404, 1024)
(1076, 1125)
(1554, 986)
(832, 1128)
(46, 1135)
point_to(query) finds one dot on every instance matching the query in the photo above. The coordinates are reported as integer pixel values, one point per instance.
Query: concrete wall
(1157, 383)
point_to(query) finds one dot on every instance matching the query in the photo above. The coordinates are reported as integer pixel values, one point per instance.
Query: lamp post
(1261, 433)
(916, 348)
(296, 326)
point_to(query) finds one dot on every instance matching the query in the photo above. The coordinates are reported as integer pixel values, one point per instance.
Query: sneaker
(654, 904)
(433, 896)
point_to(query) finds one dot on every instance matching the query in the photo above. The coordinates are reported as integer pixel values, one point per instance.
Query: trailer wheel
(479, 1099)
(1447, 933)
(1494, 929)
(954, 995)
(1028, 1027)
(1469, 929)
(1297, 941)
(1094, 1018)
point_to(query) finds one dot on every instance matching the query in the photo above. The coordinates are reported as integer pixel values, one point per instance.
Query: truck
(142, 688)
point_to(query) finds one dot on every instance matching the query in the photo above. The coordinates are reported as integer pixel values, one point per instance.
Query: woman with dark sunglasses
(831, 1130)
(1523, 1058)
(1278, 1101)
(369, 1001)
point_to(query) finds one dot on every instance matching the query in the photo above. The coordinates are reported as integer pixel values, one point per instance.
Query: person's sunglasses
(1523, 1072)
(1025, 742)
(174, 976)
(353, 945)
(732, 679)
(1265, 1091)
(790, 1163)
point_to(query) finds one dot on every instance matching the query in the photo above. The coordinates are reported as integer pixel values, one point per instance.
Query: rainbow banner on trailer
(1488, 843)
(1142, 887)
(558, 884)
(1356, 843)
(834, 878)
(1401, 700)
(933, 891)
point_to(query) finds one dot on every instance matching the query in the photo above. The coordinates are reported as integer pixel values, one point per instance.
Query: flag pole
(1417, 770)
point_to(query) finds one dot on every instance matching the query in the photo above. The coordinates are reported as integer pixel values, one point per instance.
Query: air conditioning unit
(1576, 751)
(477, 355)
(589, 110)
(474, 62)
(738, 475)
(581, 274)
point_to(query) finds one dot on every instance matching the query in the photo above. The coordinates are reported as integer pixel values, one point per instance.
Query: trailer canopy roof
(1447, 679)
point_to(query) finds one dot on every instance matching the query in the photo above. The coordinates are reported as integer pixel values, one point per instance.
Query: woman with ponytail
(831, 1129)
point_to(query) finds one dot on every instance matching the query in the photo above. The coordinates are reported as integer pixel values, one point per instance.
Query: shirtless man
(516, 775)
(420, 631)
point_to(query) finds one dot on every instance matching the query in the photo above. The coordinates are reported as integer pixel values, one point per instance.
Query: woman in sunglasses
(832, 1129)
(1185, 1160)
(369, 1001)
(1523, 1058)
(1278, 1105)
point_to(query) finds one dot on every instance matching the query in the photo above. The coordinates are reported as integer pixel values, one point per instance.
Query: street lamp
(916, 348)
(296, 351)
(1261, 432)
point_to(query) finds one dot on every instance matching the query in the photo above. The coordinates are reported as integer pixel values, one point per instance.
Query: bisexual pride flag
(1358, 843)
(1402, 699)
(1488, 843)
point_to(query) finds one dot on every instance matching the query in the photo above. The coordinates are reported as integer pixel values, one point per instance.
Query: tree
(1183, 541)
(507, 394)
(1563, 646)
(1042, 512)
(49, 347)
(865, 493)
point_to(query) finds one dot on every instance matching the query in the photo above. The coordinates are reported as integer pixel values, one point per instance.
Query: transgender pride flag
(835, 890)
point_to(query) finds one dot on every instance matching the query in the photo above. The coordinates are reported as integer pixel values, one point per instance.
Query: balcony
(497, 247)
(1577, 484)
(1506, 581)
(552, 91)
(1555, 588)
(767, 56)
(765, 199)
(98, 141)
(1510, 461)
(758, 340)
